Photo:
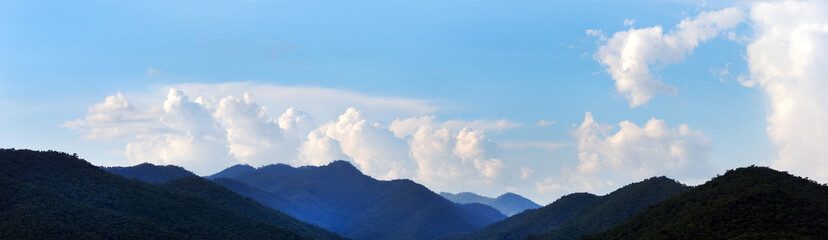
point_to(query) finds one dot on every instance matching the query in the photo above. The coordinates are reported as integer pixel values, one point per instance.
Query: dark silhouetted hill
(616, 207)
(223, 197)
(49, 195)
(746, 203)
(532, 221)
(150, 173)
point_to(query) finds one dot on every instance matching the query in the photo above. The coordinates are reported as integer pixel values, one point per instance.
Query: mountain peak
(151, 173)
(233, 171)
(343, 166)
(744, 203)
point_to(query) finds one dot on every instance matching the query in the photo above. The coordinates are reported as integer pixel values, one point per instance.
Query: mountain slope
(616, 207)
(51, 194)
(533, 221)
(223, 197)
(746, 203)
(233, 171)
(338, 197)
(150, 173)
(509, 203)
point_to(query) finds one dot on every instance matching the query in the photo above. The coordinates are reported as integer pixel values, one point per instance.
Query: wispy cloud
(153, 72)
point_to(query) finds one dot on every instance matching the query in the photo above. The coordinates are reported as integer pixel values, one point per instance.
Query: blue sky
(460, 63)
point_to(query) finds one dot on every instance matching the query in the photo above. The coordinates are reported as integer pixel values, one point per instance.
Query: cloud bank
(212, 131)
(788, 58)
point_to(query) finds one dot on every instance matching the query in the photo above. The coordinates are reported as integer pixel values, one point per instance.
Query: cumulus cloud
(190, 138)
(629, 55)
(201, 135)
(115, 118)
(787, 59)
(212, 131)
(632, 154)
(375, 150)
(253, 136)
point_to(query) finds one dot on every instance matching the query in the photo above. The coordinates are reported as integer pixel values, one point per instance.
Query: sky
(539, 98)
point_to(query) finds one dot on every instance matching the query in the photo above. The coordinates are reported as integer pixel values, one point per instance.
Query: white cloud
(543, 123)
(525, 172)
(453, 151)
(787, 59)
(634, 153)
(321, 103)
(153, 71)
(722, 73)
(629, 22)
(253, 136)
(629, 55)
(548, 185)
(190, 138)
(528, 144)
(596, 33)
(213, 131)
(409, 126)
(115, 118)
(375, 150)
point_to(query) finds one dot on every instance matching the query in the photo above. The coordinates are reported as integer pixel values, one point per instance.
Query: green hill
(49, 195)
(616, 207)
(746, 203)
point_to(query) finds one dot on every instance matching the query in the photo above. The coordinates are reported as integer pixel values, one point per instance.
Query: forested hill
(746, 203)
(49, 195)
(616, 207)
(532, 221)
(223, 197)
(150, 173)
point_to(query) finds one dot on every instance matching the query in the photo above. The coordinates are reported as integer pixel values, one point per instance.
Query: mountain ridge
(508, 203)
(339, 197)
(744, 203)
(50, 194)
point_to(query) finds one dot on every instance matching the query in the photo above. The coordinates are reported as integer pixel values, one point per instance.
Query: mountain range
(509, 203)
(48, 194)
(338, 197)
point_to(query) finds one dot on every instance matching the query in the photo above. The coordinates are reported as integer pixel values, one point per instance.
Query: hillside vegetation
(746, 203)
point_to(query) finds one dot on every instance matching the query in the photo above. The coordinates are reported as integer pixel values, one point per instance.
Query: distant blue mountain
(233, 171)
(509, 203)
(150, 173)
(340, 198)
